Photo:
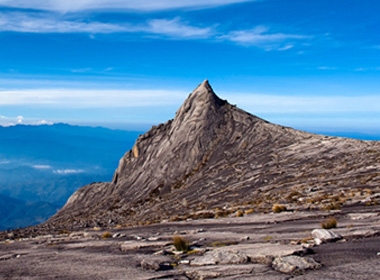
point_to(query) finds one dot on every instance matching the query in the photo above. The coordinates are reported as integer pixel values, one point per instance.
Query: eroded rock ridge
(214, 159)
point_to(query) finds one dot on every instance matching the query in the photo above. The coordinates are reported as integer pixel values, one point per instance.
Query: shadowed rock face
(214, 155)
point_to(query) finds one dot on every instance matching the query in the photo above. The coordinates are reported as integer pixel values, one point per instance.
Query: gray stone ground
(256, 246)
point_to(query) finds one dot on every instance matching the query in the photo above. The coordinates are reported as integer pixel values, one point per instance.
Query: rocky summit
(214, 159)
(215, 193)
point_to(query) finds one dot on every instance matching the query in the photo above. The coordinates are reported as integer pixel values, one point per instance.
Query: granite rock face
(214, 158)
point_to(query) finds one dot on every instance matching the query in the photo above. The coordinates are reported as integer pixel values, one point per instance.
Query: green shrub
(181, 244)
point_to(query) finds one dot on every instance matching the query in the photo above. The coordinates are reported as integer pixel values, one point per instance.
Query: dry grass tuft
(329, 223)
(181, 244)
(106, 235)
(249, 211)
(239, 213)
(278, 208)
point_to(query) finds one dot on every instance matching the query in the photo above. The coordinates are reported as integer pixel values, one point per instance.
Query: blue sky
(312, 65)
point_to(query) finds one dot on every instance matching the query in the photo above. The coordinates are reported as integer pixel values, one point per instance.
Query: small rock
(220, 257)
(362, 216)
(155, 264)
(294, 264)
(150, 265)
(153, 238)
(116, 235)
(323, 235)
(163, 253)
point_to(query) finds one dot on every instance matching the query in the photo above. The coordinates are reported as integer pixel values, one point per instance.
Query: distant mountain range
(41, 166)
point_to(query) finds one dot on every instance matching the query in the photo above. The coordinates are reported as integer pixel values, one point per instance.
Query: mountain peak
(217, 156)
(200, 100)
(205, 84)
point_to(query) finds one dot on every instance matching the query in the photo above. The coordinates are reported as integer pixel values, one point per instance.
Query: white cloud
(12, 121)
(68, 171)
(327, 68)
(142, 5)
(43, 122)
(47, 23)
(40, 166)
(261, 36)
(88, 98)
(43, 22)
(175, 28)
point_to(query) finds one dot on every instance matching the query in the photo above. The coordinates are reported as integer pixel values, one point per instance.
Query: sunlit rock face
(213, 159)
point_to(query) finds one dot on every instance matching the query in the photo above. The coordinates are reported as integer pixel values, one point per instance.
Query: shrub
(239, 213)
(278, 208)
(333, 206)
(329, 223)
(181, 244)
(249, 211)
(106, 234)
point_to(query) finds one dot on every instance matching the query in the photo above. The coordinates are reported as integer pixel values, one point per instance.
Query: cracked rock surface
(279, 246)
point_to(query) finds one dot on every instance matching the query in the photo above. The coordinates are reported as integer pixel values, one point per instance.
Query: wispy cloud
(146, 5)
(253, 102)
(364, 69)
(91, 98)
(41, 166)
(261, 36)
(327, 68)
(68, 171)
(176, 28)
(305, 104)
(48, 23)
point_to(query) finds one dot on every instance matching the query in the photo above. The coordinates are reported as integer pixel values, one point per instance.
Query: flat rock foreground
(285, 245)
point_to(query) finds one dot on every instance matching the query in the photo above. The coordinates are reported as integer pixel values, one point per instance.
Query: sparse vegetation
(64, 231)
(278, 208)
(181, 244)
(332, 206)
(329, 223)
(223, 243)
(249, 211)
(268, 238)
(239, 213)
(106, 235)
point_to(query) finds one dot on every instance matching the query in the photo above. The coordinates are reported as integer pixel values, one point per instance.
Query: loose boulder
(323, 235)
(294, 264)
